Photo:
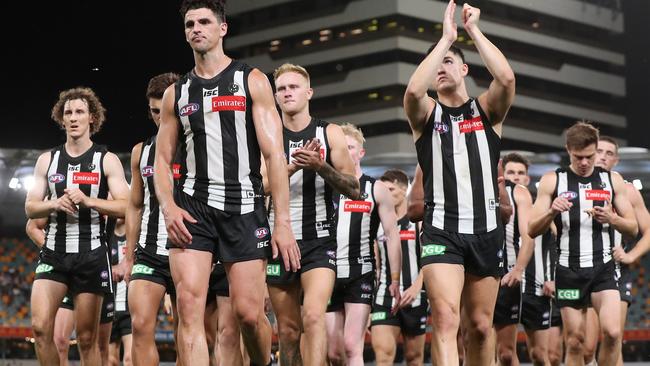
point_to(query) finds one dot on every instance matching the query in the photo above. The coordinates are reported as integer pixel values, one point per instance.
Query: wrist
(447, 41)
(394, 276)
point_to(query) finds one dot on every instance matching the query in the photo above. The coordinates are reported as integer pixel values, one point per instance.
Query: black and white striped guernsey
(583, 241)
(459, 152)
(541, 266)
(218, 140)
(310, 201)
(84, 230)
(410, 241)
(117, 243)
(356, 232)
(512, 241)
(153, 232)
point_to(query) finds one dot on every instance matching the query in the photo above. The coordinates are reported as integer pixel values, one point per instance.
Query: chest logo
(85, 178)
(471, 125)
(188, 109)
(229, 103)
(56, 178)
(176, 170)
(440, 127)
(147, 171)
(568, 195)
(357, 206)
(597, 195)
(233, 88)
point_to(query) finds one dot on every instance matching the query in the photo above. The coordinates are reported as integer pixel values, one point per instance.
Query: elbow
(415, 212)
(413, 93)
(507, 79)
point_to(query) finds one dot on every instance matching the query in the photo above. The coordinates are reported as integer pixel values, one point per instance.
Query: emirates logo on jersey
(176, 170)
(322, 153)
(407, 235)
(471, 125)
(85, 178)
(597, 195)
(229, 103)
(147, 171)
(357, 206)
(188, 109)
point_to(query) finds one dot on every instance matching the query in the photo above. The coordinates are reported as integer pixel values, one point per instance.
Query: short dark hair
(609, 139)
(95, 107)
(581, 135)
(455, 50)
(158, 84)
(514, 158)
(218, 7)
(395, 176)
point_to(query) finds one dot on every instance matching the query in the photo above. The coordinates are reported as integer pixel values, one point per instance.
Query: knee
(141, 325)
(42, 328)
(229, 336)
(187, 303)
(538, 355)
(575, 342)
(62, 342)
(85, 340)
(248, 317)
(611, 335)
(445, 318)
(413, 355)
(506, 356)
(554, 358)
(480, 328)
(289, 332)
(353, 346)
(312, 319)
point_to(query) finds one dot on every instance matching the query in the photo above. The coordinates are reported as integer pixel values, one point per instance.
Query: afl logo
(147, 171)
(56, 178)
(568, 195)
(261, 232)
(188, 109)
(440, 127)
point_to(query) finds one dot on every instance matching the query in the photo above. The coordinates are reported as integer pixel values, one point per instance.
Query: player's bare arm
(388, 218)
(133, 214)
(35, 205)
(545, 208)
(643, 219)
(623, 219)
(415, 198)
(524, 207)
(35, 231)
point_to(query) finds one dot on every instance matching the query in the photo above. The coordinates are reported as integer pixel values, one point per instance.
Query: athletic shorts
(539, 312)
(480, 254)
(218, 285)
(229, 237)
(359, 290)
(412, 321)
(573, 287)
(121, 326)
(625, 284)
(314, 253)
(108, 306)
(154, 268)
(81, 272)
(507, 308)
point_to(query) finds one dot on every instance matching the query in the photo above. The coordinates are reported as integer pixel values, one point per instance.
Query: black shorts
(539, 312)
(625, 284)
(412, 321)
(480, 254)
(359, 290)
(81, 272)
(230, 237)
(508, 305)
(108, 306)
(121, 326)
(218, 285)
(573, 287)
(314, 253)
(153, 268)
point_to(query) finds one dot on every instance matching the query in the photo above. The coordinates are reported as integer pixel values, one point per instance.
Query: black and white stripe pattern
(541, 265)
(218, 140)
(356, 232)
(310, 202)
(512, 237)
(117, 243)
(459, 152)
(410, 241)
(84, 230)
(583, 241)
(153, 232)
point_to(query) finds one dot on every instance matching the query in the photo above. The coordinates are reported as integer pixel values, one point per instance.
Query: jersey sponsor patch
(188, 109)
(597, 195)
(85, 178)
(440, 127)
(176, 170)
(229, 103)
(432, 249)
(407, 235)
(471, 125)
(56, 178)
(568, 195)
(357, 206)
(147, 171)
(568, 294)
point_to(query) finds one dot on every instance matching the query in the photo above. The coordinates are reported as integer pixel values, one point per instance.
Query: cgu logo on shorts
(142, 269)
(357, 206)
(378, 316)
(85, 178)
(597, 195)
(273, 270)
(188, 109)
(147, 171)
(568, 294)
(42, 268)
(229, 103)
(56, 178)
(432, 249)
(568, 195)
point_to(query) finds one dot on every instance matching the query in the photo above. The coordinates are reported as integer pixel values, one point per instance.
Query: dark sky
(49, 49)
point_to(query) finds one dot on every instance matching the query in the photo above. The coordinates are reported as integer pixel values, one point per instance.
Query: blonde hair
(284, 68)
(354, 132)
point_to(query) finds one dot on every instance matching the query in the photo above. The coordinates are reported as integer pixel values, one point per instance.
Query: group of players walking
(231, 203)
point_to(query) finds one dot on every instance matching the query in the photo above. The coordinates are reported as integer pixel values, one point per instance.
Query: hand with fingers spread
(65, 204)
(449, 26)
(470, 16)
(77, 196)
(309, 156)
(284, 243)
(175, 218)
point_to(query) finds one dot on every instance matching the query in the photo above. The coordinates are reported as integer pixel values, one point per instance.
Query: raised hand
(449, 26)
(470, 16)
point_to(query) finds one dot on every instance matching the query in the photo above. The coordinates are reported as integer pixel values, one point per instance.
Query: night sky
(49, 49)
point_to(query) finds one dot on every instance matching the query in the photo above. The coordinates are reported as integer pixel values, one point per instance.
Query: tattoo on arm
(343, 183)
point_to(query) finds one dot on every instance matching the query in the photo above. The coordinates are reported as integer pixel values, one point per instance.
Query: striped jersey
(310, 202)
(117, 243)
(84, 230)
(218, 140)
(583, 241)
(512, 238)
(410, 242)
(153, 232)
(541, 266)
(459, 152)
(356, 232)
